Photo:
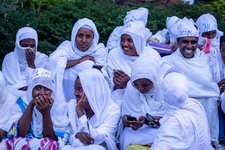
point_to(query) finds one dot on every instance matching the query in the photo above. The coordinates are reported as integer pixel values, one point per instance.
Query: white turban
(175, 89)
(137, 32)
(186, 28)
(140, 14)
(170, 21)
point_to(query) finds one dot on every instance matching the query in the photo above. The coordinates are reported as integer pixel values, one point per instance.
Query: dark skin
(221, 84)
(83, 41)
(187, 46)
(3, 133)
(81, 107)
(43, 101)
(120, 79)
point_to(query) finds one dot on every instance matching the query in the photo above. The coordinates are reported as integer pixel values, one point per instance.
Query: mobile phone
(97, 67)
(151, 119)
(131, 118)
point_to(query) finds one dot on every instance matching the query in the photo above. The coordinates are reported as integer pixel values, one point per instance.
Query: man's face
(187, 45)
(222, 51)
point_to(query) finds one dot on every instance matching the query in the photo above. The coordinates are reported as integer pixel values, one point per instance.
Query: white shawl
(68, 51)
(106, 112)
(15, 66)
(185, 124)
(6, 103)
(197, 71)
(137, 104)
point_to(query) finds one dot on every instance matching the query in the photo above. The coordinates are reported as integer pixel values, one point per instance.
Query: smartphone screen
(131, 118)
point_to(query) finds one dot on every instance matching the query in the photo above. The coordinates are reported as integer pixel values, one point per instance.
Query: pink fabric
(206, 48)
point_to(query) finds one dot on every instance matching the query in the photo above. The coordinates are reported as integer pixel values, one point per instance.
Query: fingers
(43, 101)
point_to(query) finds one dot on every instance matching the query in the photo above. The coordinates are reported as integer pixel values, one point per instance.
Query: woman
(82, 52)
(118, 68)
(93, 115)
(141, 97)
(25, 57)
(6, 102)
(185, 125)
(39, 120)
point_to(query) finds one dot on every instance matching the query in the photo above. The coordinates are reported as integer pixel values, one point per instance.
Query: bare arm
(24, 122)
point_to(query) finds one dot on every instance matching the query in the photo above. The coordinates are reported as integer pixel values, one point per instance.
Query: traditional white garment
(59, 110)
(15, 67)
(171, 25)
(119, 61)
(206, 23)
(69, 51)
(140, 14)
(185, 124)
(137, 104)
(7, 100)
(103, 125)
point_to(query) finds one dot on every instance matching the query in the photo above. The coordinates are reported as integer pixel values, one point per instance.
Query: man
(195, 67)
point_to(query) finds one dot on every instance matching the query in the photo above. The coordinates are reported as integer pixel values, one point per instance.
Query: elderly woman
(7, 100)
(185, 125)
(40, 121)
(16, 64)
(141, 96)
(120, 59)
(82, 52)
(93, 115)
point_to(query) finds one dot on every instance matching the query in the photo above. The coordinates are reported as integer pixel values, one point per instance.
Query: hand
(44, 104)
(85, 138)
(87, 57)
(154, 124)
(174, 47)
(133, 124)
(82, 104)
(120, 79)
(30, 56)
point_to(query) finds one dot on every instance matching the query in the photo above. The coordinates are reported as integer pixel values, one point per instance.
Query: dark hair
(222, 39)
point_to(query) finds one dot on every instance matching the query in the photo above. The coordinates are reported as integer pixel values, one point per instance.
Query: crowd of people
(126, 95)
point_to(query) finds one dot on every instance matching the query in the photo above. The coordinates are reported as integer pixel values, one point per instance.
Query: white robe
(103, 125)
(68, 51)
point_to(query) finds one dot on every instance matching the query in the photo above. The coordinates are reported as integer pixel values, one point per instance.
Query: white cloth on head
(69, 51)
(103, 124)
(185, 28)
(14, 67)
(59, 110)
(7, 100)
(170, 21)
(137, 104)
(119, 61)
(185, 124)
(140, 14)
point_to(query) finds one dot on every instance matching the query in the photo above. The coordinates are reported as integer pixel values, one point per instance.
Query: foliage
(54, 19)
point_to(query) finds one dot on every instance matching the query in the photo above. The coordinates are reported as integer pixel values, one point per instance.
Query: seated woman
(16, 64)
(40, 121)
(119, 62)
(82, 52)
(185, 125)
(93, 115)
(142, 99)
(7, 100)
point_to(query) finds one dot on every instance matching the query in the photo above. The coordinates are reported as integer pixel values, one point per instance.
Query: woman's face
(41, 90)
(209, 34)
(143, 85)
(28, 43)
(84, 38)
(127, 45)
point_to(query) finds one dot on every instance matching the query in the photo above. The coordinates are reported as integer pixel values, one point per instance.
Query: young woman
(82, 52)
(39, 120)
(142, 99)
(93, 115)
(119, 62)
(25, 57)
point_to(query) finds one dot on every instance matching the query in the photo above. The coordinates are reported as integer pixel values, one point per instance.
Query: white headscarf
(186, 28)
(136, 30)
(140, 14)
(59, 111)
(170, 21)
(6, 103)
(84, 23)
(24, 33)
(138, 104)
